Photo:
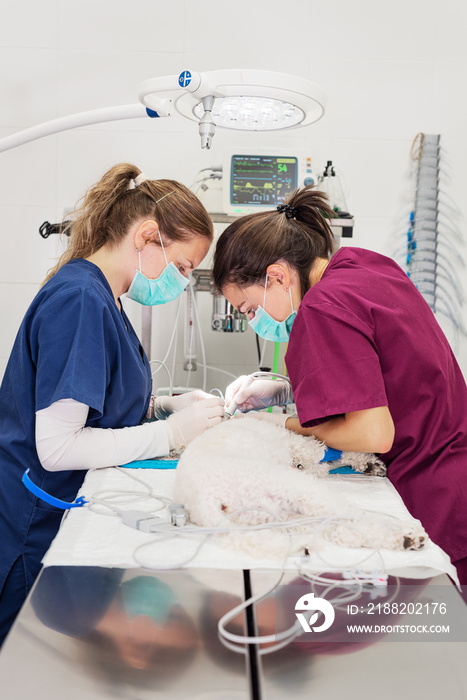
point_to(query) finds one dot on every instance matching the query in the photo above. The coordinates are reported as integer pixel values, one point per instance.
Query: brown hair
(298, 234)
(110, 207)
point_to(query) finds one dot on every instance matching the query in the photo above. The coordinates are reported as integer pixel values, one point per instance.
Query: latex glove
(261, 393)
(164, 406)
(186, 424)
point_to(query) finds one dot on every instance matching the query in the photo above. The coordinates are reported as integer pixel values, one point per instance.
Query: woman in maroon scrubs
(370, 367)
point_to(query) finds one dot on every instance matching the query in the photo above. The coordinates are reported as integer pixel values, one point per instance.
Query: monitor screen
(261, 180)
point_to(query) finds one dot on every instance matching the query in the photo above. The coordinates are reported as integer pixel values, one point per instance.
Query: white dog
(270, 473)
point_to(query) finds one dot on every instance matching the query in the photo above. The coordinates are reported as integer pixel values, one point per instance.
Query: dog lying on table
(252, 465)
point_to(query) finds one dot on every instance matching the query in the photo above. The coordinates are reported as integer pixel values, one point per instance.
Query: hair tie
(138, 180)
(287, 209)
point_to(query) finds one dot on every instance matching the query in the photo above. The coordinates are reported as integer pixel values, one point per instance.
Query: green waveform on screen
(248, 187)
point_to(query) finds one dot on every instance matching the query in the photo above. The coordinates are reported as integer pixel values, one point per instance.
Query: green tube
(275, 364)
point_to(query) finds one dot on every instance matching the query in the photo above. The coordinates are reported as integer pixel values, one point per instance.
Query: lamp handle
(72, 121)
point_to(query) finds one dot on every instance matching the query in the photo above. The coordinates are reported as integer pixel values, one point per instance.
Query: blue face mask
(266, 327)
(167, 287)
(147, 596)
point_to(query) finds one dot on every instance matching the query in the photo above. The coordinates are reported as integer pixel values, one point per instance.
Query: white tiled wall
(390, 70)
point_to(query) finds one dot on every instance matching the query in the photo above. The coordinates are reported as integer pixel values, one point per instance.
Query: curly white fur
(254, 464)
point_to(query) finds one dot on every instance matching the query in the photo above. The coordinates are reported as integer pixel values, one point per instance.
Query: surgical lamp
(245, 100)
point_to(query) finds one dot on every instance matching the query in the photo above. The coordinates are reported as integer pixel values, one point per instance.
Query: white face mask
(167, 287)
(268, 328)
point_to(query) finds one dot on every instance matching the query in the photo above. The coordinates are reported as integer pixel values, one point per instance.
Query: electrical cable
(200, 335)
(174, 355)
(319, 523)
(161, 528)
(159, 362)
(106, 498)
(172, 336)
(220, 393)
(263, 352)
(191, 330)
(352, 585)
(219, 369)
(284, 638)
(258, 349)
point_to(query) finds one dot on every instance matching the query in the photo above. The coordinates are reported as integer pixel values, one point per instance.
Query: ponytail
(297, 232)
(112, 205)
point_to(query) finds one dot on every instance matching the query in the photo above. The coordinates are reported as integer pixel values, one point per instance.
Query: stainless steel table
(336, 664)
(75, 638)
(81, 635)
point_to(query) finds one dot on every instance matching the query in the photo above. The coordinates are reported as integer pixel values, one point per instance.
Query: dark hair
(111, 206)
(252, 243)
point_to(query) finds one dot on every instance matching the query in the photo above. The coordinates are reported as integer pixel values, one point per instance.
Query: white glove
(261, 393)
(191, 421)
(164, 406)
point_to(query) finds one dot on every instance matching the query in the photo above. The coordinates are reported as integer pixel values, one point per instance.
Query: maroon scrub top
(365, 337)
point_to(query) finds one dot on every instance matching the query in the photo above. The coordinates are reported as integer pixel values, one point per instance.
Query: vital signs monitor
(258, 181)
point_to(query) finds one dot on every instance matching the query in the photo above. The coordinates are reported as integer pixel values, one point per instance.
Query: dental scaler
(232, 407)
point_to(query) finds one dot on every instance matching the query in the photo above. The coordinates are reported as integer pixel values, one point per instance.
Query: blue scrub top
(73, 343)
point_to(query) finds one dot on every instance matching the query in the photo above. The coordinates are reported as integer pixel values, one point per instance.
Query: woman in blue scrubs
(77, 388)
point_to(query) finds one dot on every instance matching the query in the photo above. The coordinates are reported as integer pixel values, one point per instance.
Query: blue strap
(330, 455)
(343, 470)
(152, 464)
(44, 496)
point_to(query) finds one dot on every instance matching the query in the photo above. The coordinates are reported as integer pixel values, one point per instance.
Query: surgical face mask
(266, 327)
(147, 596)
(167, 287)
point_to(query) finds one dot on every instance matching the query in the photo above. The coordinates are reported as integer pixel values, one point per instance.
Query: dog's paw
(409, 538)
(365, 463)
(413, 540)
(375, 467)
